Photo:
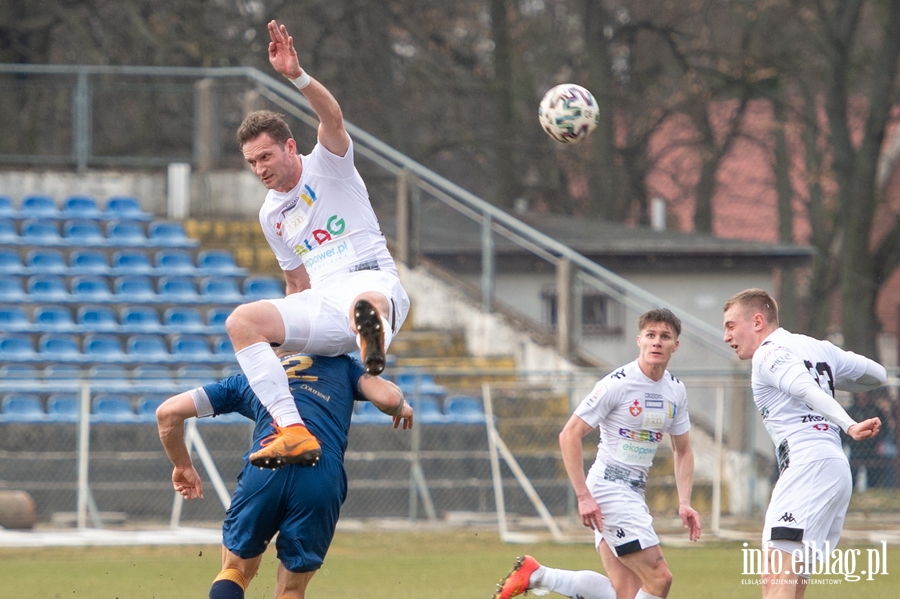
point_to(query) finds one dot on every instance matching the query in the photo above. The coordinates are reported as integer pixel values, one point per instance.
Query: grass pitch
(378, 565)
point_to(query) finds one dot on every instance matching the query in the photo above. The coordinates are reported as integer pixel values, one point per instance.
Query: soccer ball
(568, 113)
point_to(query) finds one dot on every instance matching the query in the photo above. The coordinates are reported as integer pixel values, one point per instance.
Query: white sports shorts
(317, 321)
(627, 523)
(808, 503)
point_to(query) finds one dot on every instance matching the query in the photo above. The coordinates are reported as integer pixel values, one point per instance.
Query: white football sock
(585, 584)
(269, 381)
(642, 594)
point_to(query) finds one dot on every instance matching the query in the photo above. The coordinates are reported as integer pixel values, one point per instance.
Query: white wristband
(302, 81)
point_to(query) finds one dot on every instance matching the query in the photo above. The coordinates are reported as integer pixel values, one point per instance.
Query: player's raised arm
(283, 58)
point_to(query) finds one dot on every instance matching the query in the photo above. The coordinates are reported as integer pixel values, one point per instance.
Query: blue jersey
(324, 390)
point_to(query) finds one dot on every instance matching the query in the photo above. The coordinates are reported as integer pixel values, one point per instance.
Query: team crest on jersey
(636, 408)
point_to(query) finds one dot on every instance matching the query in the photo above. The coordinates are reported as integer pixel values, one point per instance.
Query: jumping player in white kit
(342, 286)
(793, 380)
(634, 406)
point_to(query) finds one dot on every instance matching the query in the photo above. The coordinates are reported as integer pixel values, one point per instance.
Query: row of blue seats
(105, 408)
(99, 347)
(177, 289)
(89, 233)
(458, 409)
(76, 206)
(91, 318)
(111, 378)
(122, 262)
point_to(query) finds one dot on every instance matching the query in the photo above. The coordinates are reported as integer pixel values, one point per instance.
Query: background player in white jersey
(342, 286)
(793, 380)
(633, 407)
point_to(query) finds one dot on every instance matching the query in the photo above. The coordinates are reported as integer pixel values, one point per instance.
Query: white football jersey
(633, 411)
(326, 222)
(799, 433)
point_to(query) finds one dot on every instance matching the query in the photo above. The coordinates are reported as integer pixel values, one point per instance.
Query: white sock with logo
(585, 584)
(642, 594)
(269, 381)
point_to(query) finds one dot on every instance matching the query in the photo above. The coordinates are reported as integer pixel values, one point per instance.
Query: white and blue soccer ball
(568, 113)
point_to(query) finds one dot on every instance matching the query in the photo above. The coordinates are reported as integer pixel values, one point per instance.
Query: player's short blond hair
(663, 315)
(755, 301)
(264, 121)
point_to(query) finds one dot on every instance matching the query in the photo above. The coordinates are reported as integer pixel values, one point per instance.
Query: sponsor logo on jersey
(654, 404)
(649, 436)
(334, 227)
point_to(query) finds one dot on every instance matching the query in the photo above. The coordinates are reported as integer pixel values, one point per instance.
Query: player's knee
(246, 324)
(662, 581)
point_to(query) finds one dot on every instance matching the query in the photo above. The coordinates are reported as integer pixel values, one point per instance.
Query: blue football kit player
(299, 503)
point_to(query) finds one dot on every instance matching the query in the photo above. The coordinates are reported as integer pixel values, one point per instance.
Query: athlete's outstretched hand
(691, 520)
(187, 482)
(865, 429)
(282, 54)
(590, 513)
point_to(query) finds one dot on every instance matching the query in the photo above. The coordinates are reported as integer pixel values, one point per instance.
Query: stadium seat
(97, 319)
(464, 409)
(134, 289)
(131, 262)
(58, 347)
(367, 413)
(177, 289)
(100, 347)
(11, 263)
(7, 209)
(216, 317)
(81, 206)
(40, 232)
(16, 348)
(125, 234)
(63, 407)
(191, 348)
(219, 262)
(126, 208)
(427, 410)
(108, 378)
(169, 233)
(184, 320)
(8, 231)
(262, 287)
(11, 288)
(44, 262)
(38, 206)
(141, 319)
(193, 376)
(110, 408)
(222, 347)
(91, 288)
(147, 404)
(13, 319)
(147, 348)
(83, 232)
(419, 383)
(53, 318)
(21, 407)
(174, 262)
(19, 372)
(70, 373)
(47, 288)
(221, 290)
(88, 262)
(154, 374)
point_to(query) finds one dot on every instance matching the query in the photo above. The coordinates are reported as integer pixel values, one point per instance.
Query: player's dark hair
(663, 315)
(264, 121)
(755, 301)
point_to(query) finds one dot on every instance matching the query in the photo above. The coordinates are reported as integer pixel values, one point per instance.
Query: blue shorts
(300, 503)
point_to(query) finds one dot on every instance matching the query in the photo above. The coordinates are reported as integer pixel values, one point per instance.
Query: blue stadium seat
(152, 374)
(63, 407)
(13, 319)
(109, 378)
(53, 318)
(21, 407)
(194, 376)
(7, 209)
(134, 289)
(219, 262)
(99, 347)
(110, 408)
(97, 319)
(140, 319)
(184, 320)
(177, 289)
(174, 262)
(69, 373)
(16, 348)
(11, 263)
(147, 348)
(40, 232)
(19, 372)
(464, 409)
(40, 206)
(91, 288)
(191, 348)
(367, 413)
(125, 234)
(262, 287)
(47, 288)
(221, 290)
(88, 262)
(169, 233)
(126, 208)
(132, 262)
(83, 233)
(8, 231)
(216, 317)
(44, 262)
(222, 347)
(147, 404)
(59, 347)
(421, 383)
(427, 410)
(81, 206)
(11, 288)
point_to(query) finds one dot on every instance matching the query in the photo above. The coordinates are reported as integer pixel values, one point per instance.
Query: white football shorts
(627, 523)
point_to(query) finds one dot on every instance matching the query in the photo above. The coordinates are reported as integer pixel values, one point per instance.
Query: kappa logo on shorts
(787, 517)
(636, 408)
(620, 534)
